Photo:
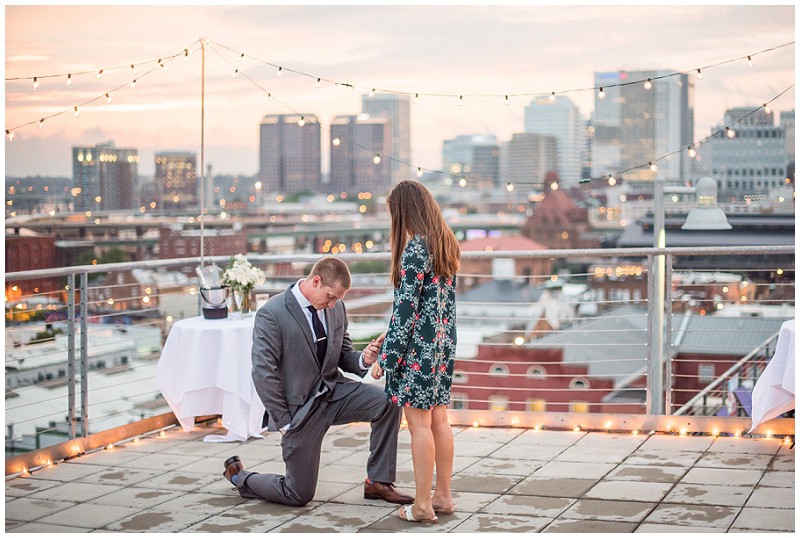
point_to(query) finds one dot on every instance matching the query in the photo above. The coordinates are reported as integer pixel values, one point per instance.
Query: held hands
(377, 371)
(372, 350)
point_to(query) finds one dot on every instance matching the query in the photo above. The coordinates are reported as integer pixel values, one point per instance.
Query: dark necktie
(319, 334)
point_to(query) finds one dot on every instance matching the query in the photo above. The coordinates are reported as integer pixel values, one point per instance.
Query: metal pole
(202, 150)
(668, 335)
(71, 355)
(84, 356)
(657, 333)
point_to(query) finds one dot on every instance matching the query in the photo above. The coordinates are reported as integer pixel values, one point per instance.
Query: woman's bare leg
(443, 442)
(423, 454)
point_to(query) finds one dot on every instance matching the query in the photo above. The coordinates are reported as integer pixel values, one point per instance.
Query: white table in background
(773, 393)
(205, 369)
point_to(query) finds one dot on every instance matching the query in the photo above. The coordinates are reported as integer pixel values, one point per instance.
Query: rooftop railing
(554, 338)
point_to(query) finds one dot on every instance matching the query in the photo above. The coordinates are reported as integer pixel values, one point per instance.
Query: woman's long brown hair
(414, 211)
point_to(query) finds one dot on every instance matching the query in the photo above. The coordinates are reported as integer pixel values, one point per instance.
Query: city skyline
(439, 49)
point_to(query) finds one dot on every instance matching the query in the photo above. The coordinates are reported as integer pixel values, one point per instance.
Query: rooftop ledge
(520, 479)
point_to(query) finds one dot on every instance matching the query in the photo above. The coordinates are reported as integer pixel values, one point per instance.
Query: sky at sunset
(443, 49)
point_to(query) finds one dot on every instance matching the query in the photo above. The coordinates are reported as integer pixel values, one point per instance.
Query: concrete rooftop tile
(780, 479)
(477, 448)
(566, 469)
(75, 491)
(527, 505)
(336, 518)
(553, 486)
(176, 480)
(647, 473)
(515, 451)
(767, 497)
(705, 494)
(722, 477)
(663, 528)
(617, 441)
(719, 517)
(587, 525)
(23, 486)
(548, 437)
(119, 476)
(392, 523)
(495, 466)
(161, 462)
(502, 523)
(741, 445)
(782, 462)
(157, 520)
(662, 457)
(93, 516)
(588, 454)
(478, 483)
(494, 435)
(732, 460)
(137, 497)
(28, 509)
(772, 519)
(677, 443)
(627, 490)
(609, 510)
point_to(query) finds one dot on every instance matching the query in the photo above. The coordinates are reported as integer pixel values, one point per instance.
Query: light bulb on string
(460, 100)
(552, 97)
(648, 84)
(336, 141)
(766, 108)
(699, 74)
(160, 63)
(69, 79)
(416, 98)
(462, 182)
(510, 187)
(692, 152)
(612, 180)
(506, 102)
(377, 158)
(301, 121)
(108, 98)
(241, 57)
(10, 135)
(279, 72)
(235, 73)
(133, 69)
(99, 74)
(316, 84)
(730, 133)
(419, 171)
(133, 83)
(41, 123)
(601, 94)
(653, 166)
(750, 61)
(185, 55)
(75, 111)
(372, 92)
(35, 83)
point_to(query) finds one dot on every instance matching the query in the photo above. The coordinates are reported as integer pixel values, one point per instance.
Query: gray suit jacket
(285, 370)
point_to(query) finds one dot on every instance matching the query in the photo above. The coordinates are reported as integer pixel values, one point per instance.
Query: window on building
(536, 405)
(498, 370)
(579, 383)
(705, 373)
(459, 400)
(498, 402)
(578, 407)
(537, 372)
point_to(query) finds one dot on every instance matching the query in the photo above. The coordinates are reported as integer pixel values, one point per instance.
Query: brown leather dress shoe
(385, 491)
(233, 466)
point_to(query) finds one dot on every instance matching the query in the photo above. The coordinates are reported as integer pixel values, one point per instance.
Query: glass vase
(246, 304)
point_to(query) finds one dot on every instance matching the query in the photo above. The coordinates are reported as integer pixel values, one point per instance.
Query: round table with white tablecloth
(205, 369)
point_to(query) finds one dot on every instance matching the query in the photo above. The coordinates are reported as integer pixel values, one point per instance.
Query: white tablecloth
(773, 394)
(205, 368)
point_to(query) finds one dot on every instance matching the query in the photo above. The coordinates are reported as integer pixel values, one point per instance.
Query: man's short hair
(332, 271)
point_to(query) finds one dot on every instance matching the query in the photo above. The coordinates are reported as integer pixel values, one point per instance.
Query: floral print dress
(420, 345)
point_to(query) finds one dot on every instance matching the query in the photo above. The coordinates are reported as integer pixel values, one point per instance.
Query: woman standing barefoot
(418, 350)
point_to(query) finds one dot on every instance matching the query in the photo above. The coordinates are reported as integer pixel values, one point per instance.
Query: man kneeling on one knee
(300, 341)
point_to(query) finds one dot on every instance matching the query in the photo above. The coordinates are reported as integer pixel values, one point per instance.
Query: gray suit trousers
(302, 447)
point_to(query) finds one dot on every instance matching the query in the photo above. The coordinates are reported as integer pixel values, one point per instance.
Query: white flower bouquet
(242, 277)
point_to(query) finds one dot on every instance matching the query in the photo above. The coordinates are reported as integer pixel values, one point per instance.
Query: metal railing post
(84, 356)
(71, 355)
(668, 336)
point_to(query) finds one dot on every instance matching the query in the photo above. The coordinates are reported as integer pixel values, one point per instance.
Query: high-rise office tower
(560, 118)
(176, 179)
(106, 177)
(396, 109)
(289, 154)
(787, 123)
(528, 157)
(635, 124)
(473, 156)
(355, 143)
(750, 162)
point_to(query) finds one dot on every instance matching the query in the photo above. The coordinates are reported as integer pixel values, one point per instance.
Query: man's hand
(377, 371)
(372, 350)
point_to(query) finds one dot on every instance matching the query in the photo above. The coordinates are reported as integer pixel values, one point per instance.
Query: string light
(692, 152)
(462, 182)
(766, 108)
(730, 133)
(99, 74)
(601, 94)
(235, 73)
(35, 83)
(108, 98)
(377, 158)
(134, 70)
(372, 92)
(552, 97)
(750, 61)
(416, 98)
(301, 121)
(316, 85)
(653, 166)
(41, 123)
(510, 187)
(507, 102)
(75, 111)
(419, 171)
(241, 57)
(69, 79)
(460, 100)
(612, 180)
(133, 83)
(699, 74)
(185, 55)
(336, 141)
(279, 72)
(10, 135)
(648, 84)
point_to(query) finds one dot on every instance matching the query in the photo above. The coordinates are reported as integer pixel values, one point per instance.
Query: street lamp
(706, 216)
